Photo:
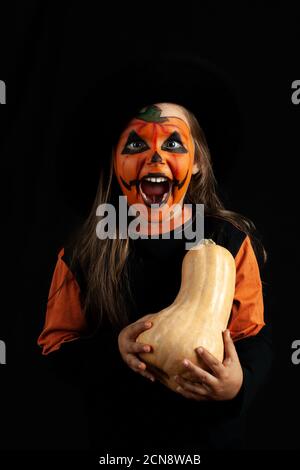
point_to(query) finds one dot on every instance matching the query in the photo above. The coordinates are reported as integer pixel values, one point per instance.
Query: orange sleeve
(247, 316)
(64, 316)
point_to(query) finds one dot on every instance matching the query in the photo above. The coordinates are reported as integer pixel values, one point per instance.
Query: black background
(51, 56)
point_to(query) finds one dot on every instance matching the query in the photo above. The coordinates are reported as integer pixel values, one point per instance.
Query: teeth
(156, 180)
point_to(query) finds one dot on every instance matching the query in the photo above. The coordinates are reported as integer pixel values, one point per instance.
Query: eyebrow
(133, 135)
(181, 131)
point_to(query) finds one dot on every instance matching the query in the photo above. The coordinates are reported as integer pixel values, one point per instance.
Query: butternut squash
(197, 317)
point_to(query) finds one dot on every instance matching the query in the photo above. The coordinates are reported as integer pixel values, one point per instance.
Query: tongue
(154, 189)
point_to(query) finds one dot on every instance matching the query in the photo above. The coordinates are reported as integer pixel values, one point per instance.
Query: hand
(129, 348)
(224, 381)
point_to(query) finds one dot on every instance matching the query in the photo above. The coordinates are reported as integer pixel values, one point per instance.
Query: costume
(119, 398)
(155, 158)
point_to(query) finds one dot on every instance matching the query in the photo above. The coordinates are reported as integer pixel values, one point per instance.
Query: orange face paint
(154, 159)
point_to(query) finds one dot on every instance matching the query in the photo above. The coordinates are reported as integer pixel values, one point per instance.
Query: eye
(134, 144)
(137, 145)
(172, 144)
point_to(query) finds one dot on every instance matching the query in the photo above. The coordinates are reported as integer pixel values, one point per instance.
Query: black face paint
(174, 138)
(134, 140)
(156, 158)
(131, 183)
(177, 182)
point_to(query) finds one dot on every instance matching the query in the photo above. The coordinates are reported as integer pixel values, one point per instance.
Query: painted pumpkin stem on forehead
(151, 114)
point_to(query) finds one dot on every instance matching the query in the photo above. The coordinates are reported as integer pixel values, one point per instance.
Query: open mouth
(155, 188)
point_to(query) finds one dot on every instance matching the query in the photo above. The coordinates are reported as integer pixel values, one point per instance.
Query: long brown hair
(105, 262)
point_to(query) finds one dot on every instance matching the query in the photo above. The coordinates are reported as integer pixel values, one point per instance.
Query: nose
(156, 158)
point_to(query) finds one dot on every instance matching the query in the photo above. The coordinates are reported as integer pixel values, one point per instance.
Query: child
(103, 290)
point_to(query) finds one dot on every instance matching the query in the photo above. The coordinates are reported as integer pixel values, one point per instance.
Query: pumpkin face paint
(154, 159)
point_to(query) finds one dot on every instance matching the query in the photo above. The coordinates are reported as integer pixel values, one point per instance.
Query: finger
(137, 328)
(199, 374)
(211, 361)
(229, 347)
(135, 364)
(140, 368)
(134, 347)
(190, 395)
(148, 375)
(188, 386)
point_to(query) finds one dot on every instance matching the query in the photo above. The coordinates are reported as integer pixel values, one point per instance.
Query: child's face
(154, 157)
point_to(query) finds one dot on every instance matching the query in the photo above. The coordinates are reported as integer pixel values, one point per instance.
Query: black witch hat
(124, 89)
